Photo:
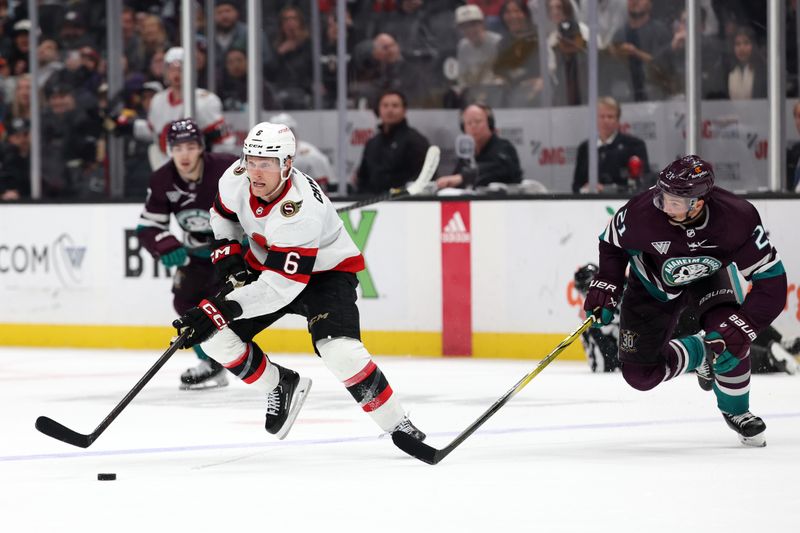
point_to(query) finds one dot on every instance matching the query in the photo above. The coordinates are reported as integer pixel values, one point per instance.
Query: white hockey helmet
(173, 55)
(284, 118)
(266, 139)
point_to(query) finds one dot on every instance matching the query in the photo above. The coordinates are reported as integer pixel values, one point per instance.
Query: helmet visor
(672, 204)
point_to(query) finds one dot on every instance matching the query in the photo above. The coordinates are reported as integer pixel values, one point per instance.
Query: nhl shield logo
(627, 340)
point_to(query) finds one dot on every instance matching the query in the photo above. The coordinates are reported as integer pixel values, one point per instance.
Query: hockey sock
(200, 353)
(683, 355)
(352, 364)
(244, 359)
(732, 389)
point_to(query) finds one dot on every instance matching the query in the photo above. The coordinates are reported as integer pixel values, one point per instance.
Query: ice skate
(284, 402)
(406, 426)
(750, 428)
(207, 375)
(705, 375)
(782, 359)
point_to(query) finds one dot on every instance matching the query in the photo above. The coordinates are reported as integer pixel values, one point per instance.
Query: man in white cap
(308, 158)
(477, 50)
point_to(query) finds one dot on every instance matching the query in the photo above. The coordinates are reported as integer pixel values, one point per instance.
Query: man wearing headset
(496, 159)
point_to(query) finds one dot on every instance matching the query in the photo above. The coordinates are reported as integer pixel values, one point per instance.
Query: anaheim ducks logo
(290, 208)
(238, 171)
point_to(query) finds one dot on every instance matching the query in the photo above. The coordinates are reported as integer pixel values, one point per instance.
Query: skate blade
(756, 441)
(298, 399)
(208, 384)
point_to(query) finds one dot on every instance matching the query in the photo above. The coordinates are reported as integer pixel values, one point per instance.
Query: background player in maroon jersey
(186, 187)
(680, 239)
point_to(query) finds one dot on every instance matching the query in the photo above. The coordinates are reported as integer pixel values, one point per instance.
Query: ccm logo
(599, 284)
(744, 326)
(213, 313)
(225, 251)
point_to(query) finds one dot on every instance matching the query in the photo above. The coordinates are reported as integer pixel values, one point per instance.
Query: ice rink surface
(571, 452)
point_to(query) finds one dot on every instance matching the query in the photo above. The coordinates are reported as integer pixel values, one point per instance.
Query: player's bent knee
(643, 377)
(344, 356)
(224, 346)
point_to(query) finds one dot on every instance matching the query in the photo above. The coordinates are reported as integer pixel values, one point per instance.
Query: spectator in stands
(567, 60)
(5, 39)
(380, 67)
(621, 157)
(476, 53)
(132, 45)
(748, 77)
(15, 161)
(289, 71)
(496, 160)
(154, 39)
(329, 58)
(673, 58)
(491, 12)
(636, 45)
(230, 32)
(308, 158)
(793, 156)
(394, 155)
(233, 82)
(69, 138)
(49, 62)
(74, 34)
(157, 69)
(611, 16)
(20, 47)
(518, 56)
(21, 104)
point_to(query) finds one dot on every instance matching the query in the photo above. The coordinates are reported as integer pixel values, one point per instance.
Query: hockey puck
(106, 477)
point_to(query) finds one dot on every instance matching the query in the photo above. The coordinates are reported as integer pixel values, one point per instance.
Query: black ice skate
(750, 428)
(284, 401)
(705, 375)
(406, 426)
(781, 359)
(207, 375)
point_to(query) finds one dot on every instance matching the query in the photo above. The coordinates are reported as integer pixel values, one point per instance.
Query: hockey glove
(177, 257)
(729, 337)
(229, 263)
(210, 315)
(601, 300)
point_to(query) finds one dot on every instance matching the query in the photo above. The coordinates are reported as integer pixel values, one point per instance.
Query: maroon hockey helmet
(687, 177)
(184, 130)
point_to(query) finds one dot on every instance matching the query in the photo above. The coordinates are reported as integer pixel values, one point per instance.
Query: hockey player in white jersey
(167, 106)
(301, 261)
(309, 159)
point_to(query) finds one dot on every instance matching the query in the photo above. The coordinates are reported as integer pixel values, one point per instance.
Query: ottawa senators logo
(238, 171)
(290, 208)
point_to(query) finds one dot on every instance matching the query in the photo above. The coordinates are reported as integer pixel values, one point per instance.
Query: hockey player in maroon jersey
(680, 239)
(301, 261)
(186, 187)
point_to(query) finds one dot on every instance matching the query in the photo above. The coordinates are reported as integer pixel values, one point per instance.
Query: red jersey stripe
(257, 374)
(241, 359)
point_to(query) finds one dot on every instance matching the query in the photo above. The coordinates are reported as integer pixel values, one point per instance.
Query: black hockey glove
(210, 315)
(601, 300)
(229, 262)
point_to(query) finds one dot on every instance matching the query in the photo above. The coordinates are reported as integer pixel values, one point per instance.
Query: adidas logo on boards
(455, 231)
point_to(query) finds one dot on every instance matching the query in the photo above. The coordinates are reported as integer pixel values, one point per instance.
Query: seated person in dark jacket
(496, 159)
(621, 156)
(793, 156)
(394, 155)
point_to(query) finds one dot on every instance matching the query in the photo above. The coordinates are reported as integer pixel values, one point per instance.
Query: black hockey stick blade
(58, 431)
(429, 454)
(53, 429)
(425, 176)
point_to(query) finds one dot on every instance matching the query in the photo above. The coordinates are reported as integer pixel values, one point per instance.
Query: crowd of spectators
(438, 53)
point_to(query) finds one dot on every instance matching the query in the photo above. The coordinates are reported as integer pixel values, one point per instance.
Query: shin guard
(249, 363)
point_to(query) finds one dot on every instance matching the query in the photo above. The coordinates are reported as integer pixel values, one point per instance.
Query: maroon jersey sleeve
(153, 228)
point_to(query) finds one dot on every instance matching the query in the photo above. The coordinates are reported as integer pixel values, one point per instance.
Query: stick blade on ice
(53, 429)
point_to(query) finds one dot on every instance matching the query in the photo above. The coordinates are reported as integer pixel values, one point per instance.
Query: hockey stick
(432, 456)
(429, 167)
(53, 429)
